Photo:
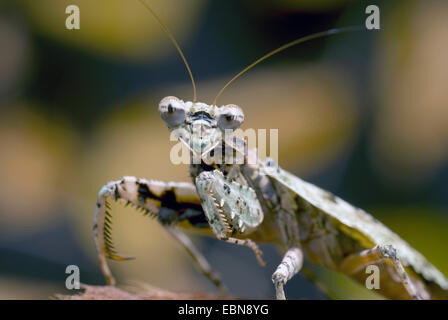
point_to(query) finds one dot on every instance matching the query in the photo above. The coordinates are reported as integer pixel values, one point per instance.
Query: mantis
(257, 201)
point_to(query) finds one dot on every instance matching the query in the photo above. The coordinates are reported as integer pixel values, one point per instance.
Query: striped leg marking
(356, 262)
(170, 203)
(248, 243)
(291, 264)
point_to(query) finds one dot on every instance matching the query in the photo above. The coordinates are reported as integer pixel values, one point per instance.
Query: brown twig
(147, 292)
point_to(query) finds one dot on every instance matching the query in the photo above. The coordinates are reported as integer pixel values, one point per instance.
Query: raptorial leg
(356, 262)
(170, 203)
(291, 264)
(232, 209)
(197, 257)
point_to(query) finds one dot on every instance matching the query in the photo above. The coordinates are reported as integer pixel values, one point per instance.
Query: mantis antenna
(286, 46)
(173, 40)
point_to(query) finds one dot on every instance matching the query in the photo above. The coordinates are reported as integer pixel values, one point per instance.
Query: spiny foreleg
(232, 209)
(171, 203)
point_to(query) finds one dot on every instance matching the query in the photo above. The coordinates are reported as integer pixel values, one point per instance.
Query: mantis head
(199, 126)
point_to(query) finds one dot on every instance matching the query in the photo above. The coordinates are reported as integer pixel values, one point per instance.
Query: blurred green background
(363, 115)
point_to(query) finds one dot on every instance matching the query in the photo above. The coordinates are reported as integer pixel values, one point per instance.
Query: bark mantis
(257, 201)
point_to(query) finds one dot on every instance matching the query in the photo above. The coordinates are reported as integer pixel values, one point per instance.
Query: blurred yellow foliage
(34, 168)
(410, 142)
(116, 27)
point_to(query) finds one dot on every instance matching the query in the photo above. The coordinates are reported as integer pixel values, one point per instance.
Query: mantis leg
(170, 202)
(248, 243)
(356, 262)
(291, 264)
(197, 257)
(231, 208)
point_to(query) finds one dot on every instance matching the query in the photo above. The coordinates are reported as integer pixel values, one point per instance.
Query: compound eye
(230, 117)
(172, 111)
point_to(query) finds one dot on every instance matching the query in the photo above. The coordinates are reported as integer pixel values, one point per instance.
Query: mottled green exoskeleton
(256, 201)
